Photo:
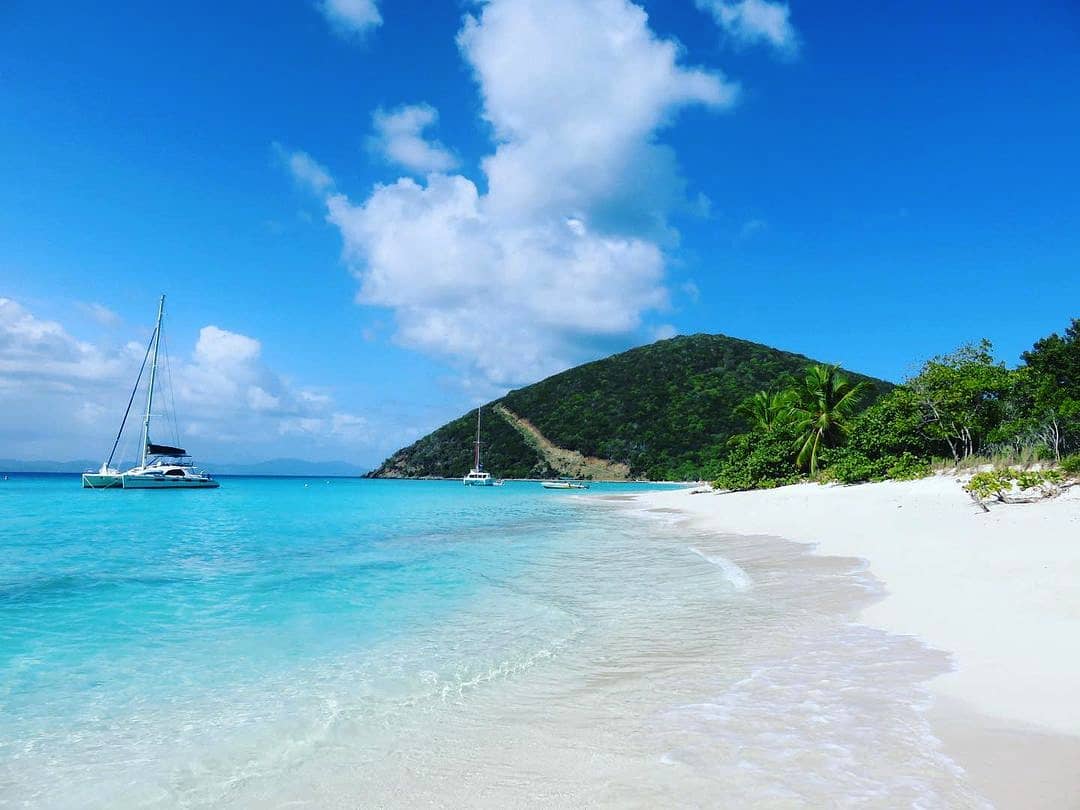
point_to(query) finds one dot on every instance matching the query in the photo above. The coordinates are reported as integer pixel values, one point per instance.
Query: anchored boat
(160, 466)
(476, 477)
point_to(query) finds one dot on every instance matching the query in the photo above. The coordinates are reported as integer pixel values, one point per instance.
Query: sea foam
(736, 577)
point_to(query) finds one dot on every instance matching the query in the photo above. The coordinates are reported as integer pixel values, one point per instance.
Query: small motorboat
(564, 485)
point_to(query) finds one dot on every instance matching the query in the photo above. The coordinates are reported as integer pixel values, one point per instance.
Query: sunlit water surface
(345, 643)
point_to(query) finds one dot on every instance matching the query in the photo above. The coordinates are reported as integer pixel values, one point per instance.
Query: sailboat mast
(131, 399)
(150, 389)
(476, 462)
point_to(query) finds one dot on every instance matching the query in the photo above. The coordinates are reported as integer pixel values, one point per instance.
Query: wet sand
(995, 591)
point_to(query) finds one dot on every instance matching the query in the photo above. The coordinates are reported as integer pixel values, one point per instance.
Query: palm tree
(764, 411)
(826, 402)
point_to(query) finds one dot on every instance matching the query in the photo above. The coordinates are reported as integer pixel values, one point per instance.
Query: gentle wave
(736, 577)
(409, 644)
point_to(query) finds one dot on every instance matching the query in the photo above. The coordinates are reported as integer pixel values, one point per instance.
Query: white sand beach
(998, 591)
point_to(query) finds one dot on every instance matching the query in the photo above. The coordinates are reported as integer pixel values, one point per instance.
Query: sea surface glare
(348, 643)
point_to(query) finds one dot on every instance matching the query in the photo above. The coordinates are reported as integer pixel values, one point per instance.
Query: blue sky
(370, 216)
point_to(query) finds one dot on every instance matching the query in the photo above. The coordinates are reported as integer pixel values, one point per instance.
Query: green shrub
(759, 459)
(824, 476)
(847, 466)
(1026, 479)
(892, 426)
(1070, 465)
(990, 483)
(908, 467)
(994, 483)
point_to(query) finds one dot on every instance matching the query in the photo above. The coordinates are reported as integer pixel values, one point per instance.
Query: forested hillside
(448, 452)
(666, 410)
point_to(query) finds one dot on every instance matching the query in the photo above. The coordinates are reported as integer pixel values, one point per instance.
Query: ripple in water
(548, 653)
(738, 578)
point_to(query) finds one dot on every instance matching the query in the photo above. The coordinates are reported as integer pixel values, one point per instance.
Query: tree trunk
(948, 438)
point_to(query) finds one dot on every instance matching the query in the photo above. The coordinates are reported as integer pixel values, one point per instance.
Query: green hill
(664, 411)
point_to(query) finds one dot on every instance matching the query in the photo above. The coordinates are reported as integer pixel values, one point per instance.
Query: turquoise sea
(350, 643)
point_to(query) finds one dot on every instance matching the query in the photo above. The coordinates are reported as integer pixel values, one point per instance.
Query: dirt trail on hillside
(569, 463)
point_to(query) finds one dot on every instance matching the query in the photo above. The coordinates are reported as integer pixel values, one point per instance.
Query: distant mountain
(661, 412)
(279, 466)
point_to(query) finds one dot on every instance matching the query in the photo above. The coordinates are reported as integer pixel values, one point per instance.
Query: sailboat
(476, 477)
(160, 466)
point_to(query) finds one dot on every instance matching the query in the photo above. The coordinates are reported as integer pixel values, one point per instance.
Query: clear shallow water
(358, 643)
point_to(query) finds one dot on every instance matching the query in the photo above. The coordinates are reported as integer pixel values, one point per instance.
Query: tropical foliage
(1000, 484)
(1051, 390)
(745, 415)
(960, 407)
(448, 452)
(765, 411)
(1070, 465)
(824, 405)
(667, 410)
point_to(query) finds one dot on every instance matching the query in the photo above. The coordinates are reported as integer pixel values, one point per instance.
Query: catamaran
(161, 466)
(476, 477)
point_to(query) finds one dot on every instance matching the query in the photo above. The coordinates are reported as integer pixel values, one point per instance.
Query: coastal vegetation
(961, 409)
(662, 412)
(746, 416)
(1000, 483)
(448, 451)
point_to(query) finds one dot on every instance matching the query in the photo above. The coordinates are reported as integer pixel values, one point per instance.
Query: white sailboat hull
(166, 468)
(102, 480)
(120, 481)
(150, 481)
(478, 479)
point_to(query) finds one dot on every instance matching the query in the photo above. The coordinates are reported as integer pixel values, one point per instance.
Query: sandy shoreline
(997, 591)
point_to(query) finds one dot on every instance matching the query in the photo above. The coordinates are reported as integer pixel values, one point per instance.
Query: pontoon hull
(476, 478)
(163, 482)
(102, 480)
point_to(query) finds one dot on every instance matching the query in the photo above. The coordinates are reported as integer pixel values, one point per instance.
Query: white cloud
(752, 227)
(562, 253)
(749, 22)
(307, 172)
(349, 427)
(399, 137)
(90, 412)
(315, 398)
(351, 17)
(575, 92)
(36, 352)
(100, 313)
(512, 301)
(345, 427)
(58, 393)
(218, 347)
(226, 384)
(259, 400)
